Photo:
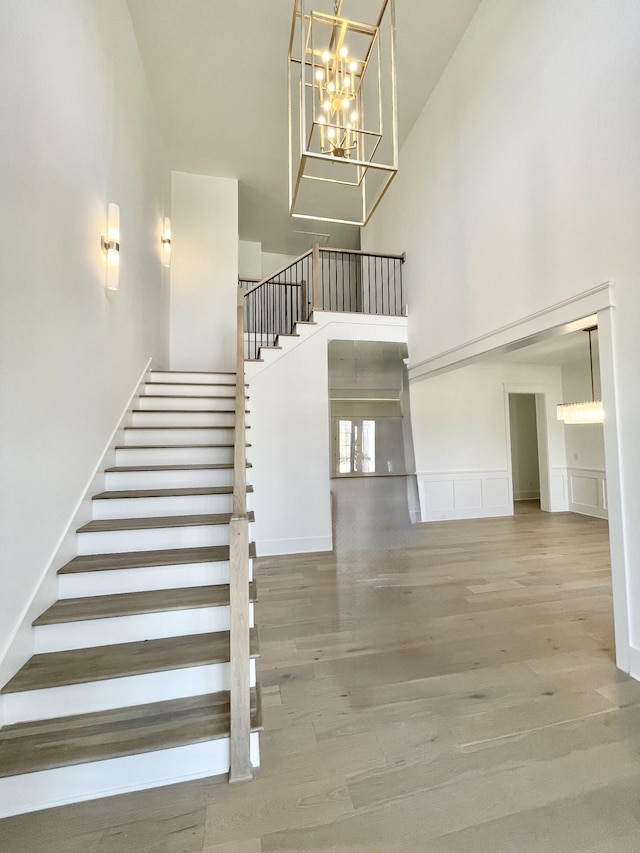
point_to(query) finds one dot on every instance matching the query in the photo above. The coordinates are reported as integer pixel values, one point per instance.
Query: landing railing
(240, 727)
(322, 279)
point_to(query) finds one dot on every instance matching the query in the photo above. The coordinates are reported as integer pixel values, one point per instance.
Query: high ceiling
(218, 76)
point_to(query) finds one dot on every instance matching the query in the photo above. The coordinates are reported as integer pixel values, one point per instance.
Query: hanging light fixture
(342, 95)
(589, 412)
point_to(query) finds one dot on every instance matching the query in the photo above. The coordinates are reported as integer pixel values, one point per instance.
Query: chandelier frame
(357, 153)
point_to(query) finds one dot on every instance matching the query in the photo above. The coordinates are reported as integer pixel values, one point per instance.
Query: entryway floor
(440, 688)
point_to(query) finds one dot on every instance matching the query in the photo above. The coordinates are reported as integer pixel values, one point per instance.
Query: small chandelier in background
(342, 95)
(588, 412)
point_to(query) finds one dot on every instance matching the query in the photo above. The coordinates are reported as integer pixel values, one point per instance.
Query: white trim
(597, 509)
(569, 310)
(457, 494)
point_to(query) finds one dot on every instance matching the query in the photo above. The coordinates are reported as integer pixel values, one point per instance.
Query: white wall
(461, 439)
(519, 188)
(272, 262)
(524, 447)
(204, 272)
(78, 131)
(290, 432)
(249, 259)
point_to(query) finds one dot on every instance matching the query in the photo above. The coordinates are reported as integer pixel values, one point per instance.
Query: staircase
(129, 684)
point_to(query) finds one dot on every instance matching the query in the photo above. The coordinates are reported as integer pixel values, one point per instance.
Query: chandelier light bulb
(353, 66)
(331, 133)
(343, 52)
(345, 103)
(321, 120)
(326, 56)
(326, 106)
(320, 74)
(331, 87)
(354, 116)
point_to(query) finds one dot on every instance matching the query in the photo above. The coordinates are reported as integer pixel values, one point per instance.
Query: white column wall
(519, 187)
(204, 272)
(290, 432)
(78, 131)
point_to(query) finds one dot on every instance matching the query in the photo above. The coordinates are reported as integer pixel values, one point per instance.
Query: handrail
(402, 257)
(275, 274)
(240, 691)
(322, 279)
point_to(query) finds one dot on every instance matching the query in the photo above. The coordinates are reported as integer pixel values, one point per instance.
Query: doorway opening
(525, 453)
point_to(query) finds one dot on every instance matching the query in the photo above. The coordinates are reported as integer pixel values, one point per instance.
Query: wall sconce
(111, 246)
(166, 242)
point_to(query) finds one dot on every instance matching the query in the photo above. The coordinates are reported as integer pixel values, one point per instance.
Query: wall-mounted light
(166, 242)
(111, 246)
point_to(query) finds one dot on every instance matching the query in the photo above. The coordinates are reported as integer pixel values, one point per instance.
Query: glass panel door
(356, 446)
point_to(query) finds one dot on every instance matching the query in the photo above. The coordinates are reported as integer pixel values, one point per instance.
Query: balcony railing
(323, 280)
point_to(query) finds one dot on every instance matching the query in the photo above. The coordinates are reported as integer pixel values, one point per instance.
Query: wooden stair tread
(196, 372)
(149, 559)
(166, 493)
(215, 466)
(65, 741)
(105, 525)
(134, 603)
(81, 666)
(187, 412)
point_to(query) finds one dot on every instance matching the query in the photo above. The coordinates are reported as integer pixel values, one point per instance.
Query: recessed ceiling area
(218, 77)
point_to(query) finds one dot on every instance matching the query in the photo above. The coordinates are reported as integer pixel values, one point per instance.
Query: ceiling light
(588, 412)
(338, 66)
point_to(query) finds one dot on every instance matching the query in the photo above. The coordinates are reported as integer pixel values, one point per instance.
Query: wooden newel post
(239, 644)
(315, 278)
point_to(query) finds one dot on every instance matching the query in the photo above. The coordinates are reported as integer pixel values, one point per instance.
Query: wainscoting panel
(446, 495)
(588, 491)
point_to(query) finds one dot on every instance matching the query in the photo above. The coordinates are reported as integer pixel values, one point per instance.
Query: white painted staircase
(128, 686)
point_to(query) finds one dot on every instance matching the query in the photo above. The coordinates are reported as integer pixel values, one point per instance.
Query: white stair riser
(152, 507)
(174, 455)
(169, 418)
(112, 582)
(221, 401)
(81, 782)
(149, 435)
(113, 693)
(213, 389)
(182, 376)
(130, 629)
(160, 538)
(167, 479)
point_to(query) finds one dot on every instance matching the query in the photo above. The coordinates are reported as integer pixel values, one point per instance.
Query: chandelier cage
(343, 137)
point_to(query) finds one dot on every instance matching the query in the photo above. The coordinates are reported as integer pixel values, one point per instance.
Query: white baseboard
(449, 495)
(531, 495)
(634, 662)
(275, 547)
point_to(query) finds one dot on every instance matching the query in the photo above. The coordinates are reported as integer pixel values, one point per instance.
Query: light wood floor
(437, 689)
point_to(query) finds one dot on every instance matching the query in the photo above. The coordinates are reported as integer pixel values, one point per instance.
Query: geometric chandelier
(588, 412)
(343, 136)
